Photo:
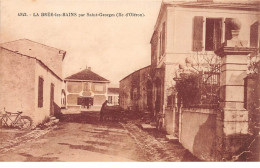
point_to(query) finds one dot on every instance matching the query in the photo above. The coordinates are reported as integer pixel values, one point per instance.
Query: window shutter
(218, 34)
(163, 38)
(160, 46)
(228, 28)
(197, 33)
(40, 92)
(254, 35)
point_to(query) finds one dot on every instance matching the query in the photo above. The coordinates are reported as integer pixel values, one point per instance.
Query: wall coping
(200, 110)
(223, 51)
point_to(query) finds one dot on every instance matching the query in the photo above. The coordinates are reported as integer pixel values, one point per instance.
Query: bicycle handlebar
(18, 112)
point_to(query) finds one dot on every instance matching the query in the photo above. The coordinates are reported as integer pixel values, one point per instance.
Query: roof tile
(86, 74)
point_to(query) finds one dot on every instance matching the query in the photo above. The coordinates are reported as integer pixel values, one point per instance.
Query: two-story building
(31, 78)
(187, 32)
(86, 90)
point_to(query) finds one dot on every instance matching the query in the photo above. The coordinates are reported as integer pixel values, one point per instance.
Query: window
(74, 87)
(213, 34)
(110, 99)
(86, 86)
(40, 92)
(99, 88)
(162, 41)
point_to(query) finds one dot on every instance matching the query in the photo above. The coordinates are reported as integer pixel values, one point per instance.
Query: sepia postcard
(129, 81)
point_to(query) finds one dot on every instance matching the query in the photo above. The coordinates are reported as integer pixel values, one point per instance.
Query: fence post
(232, 117)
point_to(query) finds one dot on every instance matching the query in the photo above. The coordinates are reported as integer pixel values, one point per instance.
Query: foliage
(188, 88)
(198, 90)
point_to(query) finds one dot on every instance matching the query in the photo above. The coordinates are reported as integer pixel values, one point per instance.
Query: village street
(81, 137)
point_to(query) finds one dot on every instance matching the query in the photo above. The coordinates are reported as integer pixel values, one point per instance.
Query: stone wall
(133, 90)
(19, 85)
(41, 113)
(198, 132)
(17, 82)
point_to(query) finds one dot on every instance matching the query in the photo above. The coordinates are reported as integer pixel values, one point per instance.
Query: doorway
(149, 96)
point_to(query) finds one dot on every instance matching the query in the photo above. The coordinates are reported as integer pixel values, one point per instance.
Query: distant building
(31, 78)
(113, 96)
(136, 91)
(86, 90)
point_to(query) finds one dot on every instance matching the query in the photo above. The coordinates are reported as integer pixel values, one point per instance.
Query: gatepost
(232, 118)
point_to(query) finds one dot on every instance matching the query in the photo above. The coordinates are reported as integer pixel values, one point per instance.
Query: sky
(112, 46)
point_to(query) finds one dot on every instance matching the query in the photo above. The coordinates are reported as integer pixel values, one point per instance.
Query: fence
(200, 90)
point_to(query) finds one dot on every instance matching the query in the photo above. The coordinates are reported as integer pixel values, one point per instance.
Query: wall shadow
(204, 145)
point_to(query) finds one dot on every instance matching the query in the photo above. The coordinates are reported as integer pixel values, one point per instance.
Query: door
(52, 100)
(149, 96)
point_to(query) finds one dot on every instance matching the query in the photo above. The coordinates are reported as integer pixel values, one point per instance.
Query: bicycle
(19, 121)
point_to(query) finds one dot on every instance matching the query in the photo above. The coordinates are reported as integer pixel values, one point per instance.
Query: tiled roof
(87, 75)
(135, 72)
(29, 47)
(113, 90)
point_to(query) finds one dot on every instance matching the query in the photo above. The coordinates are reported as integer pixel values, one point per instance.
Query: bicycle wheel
(4, 121)
(26, 122)
(1, 124)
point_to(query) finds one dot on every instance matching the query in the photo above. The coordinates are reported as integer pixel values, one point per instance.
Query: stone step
(172, 138)
(53, 118)
(148, 126)
(56, 121)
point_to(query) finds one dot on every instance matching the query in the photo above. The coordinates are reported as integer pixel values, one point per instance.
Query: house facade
(86, 90)
(31, 78)
(135, 91)
(186, 36)
(192, 41)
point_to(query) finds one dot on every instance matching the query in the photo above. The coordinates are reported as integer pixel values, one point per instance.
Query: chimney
(89, 68)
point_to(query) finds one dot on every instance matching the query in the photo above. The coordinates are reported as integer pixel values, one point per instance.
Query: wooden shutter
(160, 46)
(254, 35)
(197, 33)
(228, 28)
(218, 33)
(40, 92)
(163, 38)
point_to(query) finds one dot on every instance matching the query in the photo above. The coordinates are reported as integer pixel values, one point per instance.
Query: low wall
(198, 131)
(169, 121)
